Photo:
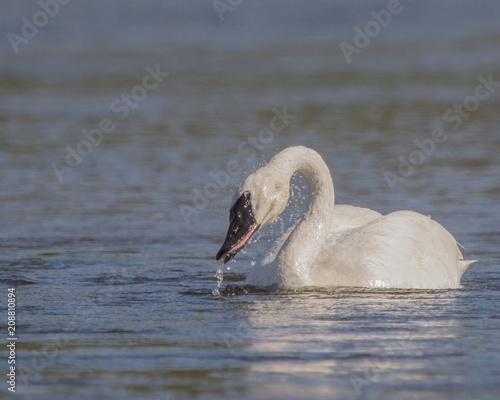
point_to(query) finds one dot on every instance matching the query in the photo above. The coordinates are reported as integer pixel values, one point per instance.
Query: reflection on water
(114, 282)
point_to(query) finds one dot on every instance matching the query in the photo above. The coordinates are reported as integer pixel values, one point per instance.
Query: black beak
(242, 226)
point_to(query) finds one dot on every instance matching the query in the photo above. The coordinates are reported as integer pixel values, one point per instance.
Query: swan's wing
(347, 218)
(402, 249)
(350, 217)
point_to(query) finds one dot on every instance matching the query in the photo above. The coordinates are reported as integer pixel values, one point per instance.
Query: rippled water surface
(113, 260)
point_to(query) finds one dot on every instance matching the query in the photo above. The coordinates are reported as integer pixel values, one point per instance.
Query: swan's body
(338, 245)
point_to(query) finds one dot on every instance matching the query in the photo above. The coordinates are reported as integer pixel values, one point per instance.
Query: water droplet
(219, 274)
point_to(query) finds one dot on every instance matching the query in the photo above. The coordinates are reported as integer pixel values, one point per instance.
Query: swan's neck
(306, 240)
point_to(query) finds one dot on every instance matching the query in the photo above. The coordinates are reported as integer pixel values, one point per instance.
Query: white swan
(337, 245)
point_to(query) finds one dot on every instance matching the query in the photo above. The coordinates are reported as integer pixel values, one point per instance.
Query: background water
(113, 265)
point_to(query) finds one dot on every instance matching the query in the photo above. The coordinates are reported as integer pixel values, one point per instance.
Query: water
(114, 265)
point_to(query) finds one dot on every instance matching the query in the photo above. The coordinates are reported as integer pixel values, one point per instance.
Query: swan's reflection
(351, 337)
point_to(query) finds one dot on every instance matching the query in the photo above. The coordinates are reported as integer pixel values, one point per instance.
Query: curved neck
(306, 240)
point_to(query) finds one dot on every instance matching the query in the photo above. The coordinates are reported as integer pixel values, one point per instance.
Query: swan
(337, 245)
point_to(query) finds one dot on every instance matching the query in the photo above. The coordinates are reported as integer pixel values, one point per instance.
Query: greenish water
(113, 260)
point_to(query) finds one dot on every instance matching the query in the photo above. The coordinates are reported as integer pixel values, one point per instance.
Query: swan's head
(259, 201)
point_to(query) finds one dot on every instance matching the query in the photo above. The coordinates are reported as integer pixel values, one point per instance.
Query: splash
(219, 274)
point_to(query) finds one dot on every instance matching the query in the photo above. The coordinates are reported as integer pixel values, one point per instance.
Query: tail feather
(464, 264)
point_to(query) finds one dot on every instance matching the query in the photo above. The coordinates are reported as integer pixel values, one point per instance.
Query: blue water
(113, 261)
